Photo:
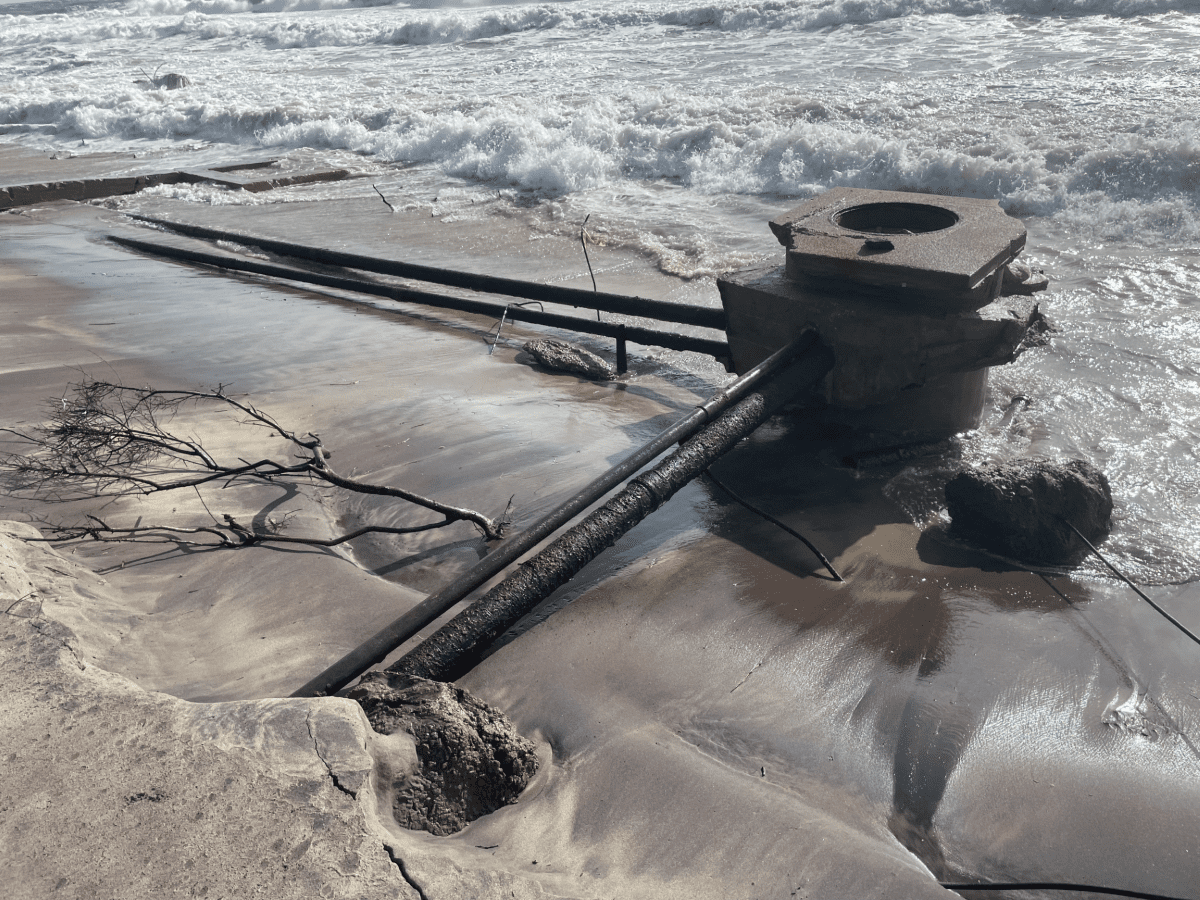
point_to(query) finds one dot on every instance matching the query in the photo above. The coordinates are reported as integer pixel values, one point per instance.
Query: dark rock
(1021, 280)
(172, 81)
(470, 759)
(563, 357)
(1021, 509)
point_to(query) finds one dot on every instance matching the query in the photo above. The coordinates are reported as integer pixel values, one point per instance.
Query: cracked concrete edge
(110, 790)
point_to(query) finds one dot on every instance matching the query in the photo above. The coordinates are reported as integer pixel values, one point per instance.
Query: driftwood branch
(111, 440)
(229, 533)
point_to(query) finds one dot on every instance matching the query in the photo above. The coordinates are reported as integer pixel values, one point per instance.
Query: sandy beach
(715, 716)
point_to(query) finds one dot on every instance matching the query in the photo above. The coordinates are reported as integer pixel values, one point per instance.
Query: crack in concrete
(399, 863)
(328, 768)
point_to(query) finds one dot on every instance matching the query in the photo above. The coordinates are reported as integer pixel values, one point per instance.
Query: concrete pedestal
(898, 375)
(902, 288)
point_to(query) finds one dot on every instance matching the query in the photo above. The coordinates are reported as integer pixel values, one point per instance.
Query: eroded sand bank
(716, 717)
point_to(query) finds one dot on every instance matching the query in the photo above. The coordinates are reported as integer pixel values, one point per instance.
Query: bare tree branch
(111, 440)
(230, 534)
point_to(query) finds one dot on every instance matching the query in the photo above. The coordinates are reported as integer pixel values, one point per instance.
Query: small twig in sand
(384, 199)
(205, 505)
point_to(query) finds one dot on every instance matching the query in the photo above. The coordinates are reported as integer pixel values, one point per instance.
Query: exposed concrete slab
(227, 177)
(91, 188)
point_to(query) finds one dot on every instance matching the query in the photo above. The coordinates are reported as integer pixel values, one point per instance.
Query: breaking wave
(781, 146)
(465, 21)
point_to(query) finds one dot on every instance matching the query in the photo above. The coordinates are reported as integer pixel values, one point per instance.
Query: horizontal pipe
(373, 651)
(660, 310)
(646, 336)
(459, 645)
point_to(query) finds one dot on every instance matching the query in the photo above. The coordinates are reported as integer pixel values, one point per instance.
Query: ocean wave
(276, 32)
(734, 16)
(402, 24)
(782, 146)
(810, 15)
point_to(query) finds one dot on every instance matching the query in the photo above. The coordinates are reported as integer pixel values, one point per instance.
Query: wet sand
(716, 717)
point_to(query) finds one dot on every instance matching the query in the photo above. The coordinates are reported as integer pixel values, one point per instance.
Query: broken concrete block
(1021, 509)
(561, 356)
(1021, 280)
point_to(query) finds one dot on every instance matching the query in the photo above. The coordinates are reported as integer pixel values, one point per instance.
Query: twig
(229, 534)
(384, 199)
(205, 505)
(112, 440)
(587, 259)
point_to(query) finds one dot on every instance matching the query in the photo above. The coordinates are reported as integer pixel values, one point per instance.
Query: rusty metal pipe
(660, 310)
(459, 645)
(375, 649)
(646, 336)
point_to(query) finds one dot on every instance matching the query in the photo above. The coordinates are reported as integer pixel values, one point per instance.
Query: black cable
(807, 543)
(1054, 886)
(1166, 615)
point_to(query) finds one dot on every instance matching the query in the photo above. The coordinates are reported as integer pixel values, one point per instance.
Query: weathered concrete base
(944, 405)
(901, 374)
(925, 251)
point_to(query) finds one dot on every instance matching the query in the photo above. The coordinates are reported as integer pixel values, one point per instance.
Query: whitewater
(679, 128)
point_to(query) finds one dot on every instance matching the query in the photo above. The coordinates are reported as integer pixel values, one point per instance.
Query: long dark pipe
(661, 310)
(647, 336)
(373, 651)
(459, 645)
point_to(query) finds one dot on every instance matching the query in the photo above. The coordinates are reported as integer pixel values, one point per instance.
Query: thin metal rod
(661, 310)
(1166, 615)
(499, 328)
(774, 521)
(646, 336)
(373, 651)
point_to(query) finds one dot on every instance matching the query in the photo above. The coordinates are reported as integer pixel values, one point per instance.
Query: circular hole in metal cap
(895, 218)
